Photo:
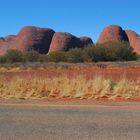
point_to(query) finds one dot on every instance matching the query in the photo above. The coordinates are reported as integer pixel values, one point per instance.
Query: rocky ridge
(46, 40)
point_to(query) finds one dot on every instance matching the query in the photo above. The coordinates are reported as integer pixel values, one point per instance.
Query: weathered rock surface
(134, 40)
(112, 33)
(63, 41)
(85, 41)
(29, 38)
(34, 38)
(10, 38)
(6, 43)
(45, 40)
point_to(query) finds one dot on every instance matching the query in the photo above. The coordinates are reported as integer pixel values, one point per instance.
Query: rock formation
(34, 38)
(29, 38)
(45, 40)
(63, 41)
(134, 40)
(85, 41)
(112, 33)
(6, 43)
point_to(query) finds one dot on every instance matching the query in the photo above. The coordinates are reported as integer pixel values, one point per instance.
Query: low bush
(126, 52)
(57, 57)
(88, 53)
(13, 56)
(75, 55)
(109, 51)
(115, 51)
(32, 56)
(3, 59)
(43, 58)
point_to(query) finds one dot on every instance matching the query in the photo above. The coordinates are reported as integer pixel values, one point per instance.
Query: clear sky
(79, 17)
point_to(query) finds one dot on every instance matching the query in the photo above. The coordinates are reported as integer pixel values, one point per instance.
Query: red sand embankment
(89, 72)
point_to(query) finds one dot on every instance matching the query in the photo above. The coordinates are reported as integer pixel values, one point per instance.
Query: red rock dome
(7, 43)
(85, 41)
(63, 41)
(34, 38)
(112, 33)
(134, 40)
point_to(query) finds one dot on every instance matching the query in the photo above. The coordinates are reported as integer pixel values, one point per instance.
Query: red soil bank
(113, 73)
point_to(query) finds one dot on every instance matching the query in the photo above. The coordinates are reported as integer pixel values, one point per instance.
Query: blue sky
(79, 17)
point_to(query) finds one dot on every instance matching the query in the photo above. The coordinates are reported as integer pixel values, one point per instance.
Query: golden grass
(60, 87)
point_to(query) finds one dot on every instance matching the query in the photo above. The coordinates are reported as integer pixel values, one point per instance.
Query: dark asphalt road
(95, 122)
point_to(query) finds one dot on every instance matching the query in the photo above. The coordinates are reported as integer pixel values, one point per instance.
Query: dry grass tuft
(60, 87)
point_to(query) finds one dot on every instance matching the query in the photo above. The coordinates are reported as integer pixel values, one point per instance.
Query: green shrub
(75, 55)
(105, 53)
(138, 56)
(115, 51)
(43, 58)
(3, 59)
(14, 56)
(31, 56)
(98, 54)
(126, 52)
(88, 53)
(109, 51)
(57, 57)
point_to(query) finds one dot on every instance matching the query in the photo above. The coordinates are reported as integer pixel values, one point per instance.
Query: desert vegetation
(64, 87)
(109, 51)
(68, 86)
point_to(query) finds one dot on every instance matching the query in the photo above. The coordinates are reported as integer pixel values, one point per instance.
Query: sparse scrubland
(68, 86)
(109, 51)
(64, 87)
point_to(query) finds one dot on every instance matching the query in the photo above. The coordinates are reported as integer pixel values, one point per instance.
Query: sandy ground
(68, 101)
(60, 120)
(90, 72)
